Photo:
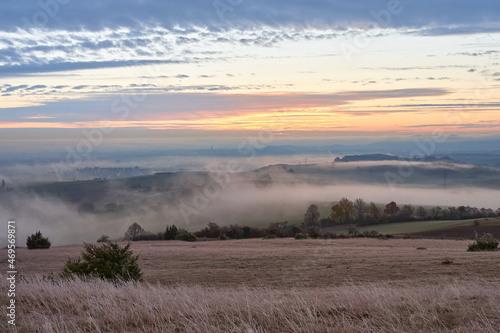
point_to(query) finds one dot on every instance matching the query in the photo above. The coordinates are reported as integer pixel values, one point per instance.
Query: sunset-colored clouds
(340, 66)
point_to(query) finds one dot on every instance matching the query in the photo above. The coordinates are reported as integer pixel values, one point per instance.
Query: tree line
(361, 213)
(345, 211)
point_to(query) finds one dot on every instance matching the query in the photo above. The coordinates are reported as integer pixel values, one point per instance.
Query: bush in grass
(447, 261)
(354, 232)
(329, 235)
(108, 262)
(301, 236)
(269, 236)
(312, 232)
(103, 239)
(486, 242)
(371, 234)
(37, 241)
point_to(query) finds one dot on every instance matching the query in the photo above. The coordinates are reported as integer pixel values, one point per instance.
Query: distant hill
(429, 172)
(385, 157)
(368, 157)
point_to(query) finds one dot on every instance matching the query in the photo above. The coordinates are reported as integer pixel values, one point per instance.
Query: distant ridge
(368, 157)
(385, 157)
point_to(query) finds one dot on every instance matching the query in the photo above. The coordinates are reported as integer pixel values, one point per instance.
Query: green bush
(107, 262)
(37, 241)
(223, 237)
(314, 235)
(301, 236)
(486, 242)
(186, 236)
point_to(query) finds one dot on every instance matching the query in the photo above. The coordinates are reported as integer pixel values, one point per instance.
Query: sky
(223, 68)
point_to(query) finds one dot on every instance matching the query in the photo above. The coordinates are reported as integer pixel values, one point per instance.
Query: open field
(438, 227)
(277, 285)
(286, 262)
(464, 231)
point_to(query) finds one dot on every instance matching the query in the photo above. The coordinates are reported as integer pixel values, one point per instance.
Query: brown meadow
(277, 285)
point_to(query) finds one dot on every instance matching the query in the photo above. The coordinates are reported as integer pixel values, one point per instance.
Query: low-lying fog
(238, 203)
(23, 173)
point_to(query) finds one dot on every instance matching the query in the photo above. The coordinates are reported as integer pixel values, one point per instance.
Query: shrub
(314, 235)
(301, 236)
(371, 234)
(354, 232)
(312, 232)
(186, 236)
(329, 235)
(103, 239)
(223, 237)
(269, 236)
(107, 262)
(486, 242)
(447, 261)
(37, 241)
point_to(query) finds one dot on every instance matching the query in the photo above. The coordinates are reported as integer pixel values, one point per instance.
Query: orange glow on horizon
(299, 119)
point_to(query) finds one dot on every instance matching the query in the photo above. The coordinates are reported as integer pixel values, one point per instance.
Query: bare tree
(361, 207)
(312, 215)
(407, 211)
(421, 212)
(134, 231)
(373, 211)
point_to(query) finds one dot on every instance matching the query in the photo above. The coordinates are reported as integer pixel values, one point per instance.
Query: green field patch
(414, 227)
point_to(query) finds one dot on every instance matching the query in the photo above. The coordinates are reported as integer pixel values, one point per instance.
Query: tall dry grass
(98, 306)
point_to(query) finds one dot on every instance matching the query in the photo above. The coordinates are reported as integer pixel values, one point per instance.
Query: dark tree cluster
(362, 213)
(461, 213)
(279, 229)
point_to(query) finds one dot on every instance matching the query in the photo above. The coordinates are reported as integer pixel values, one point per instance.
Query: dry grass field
(286, 262)
(277, 285)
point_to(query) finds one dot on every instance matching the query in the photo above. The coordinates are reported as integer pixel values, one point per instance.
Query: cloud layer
(95, 15)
